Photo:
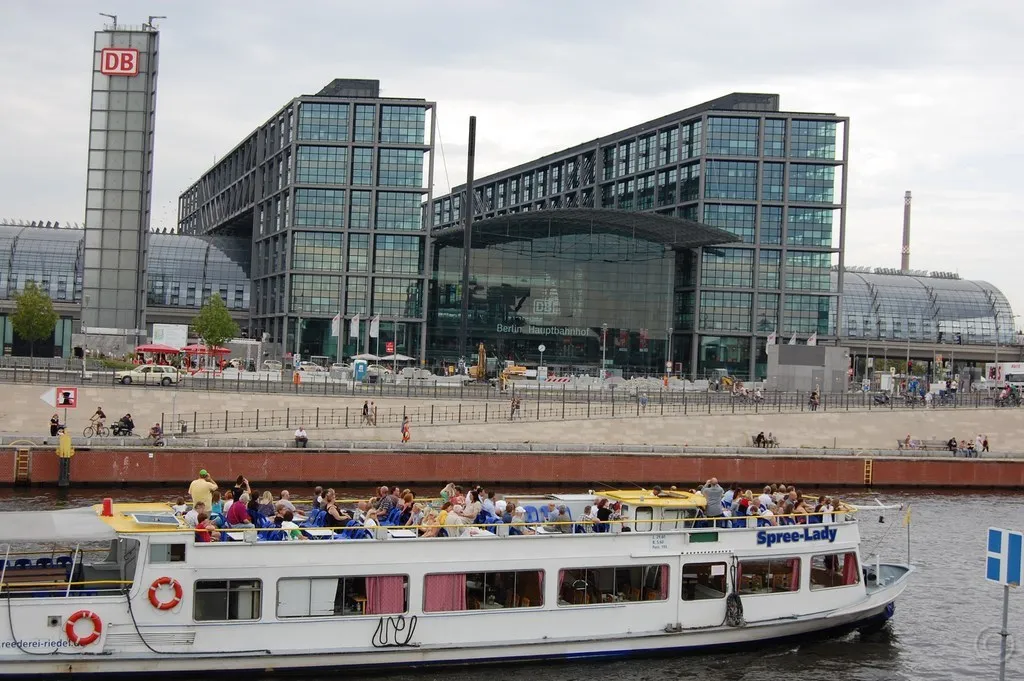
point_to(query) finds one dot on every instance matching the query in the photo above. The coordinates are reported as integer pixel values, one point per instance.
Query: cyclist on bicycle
(98, 420)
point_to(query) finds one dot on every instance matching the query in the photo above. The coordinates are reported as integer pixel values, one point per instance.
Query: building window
(608, 164)
(362, 166)
(624, 193)
(623, 584)
(608, 196)
(809, 227)
(668, 146)
(730, 180)
(767, 576)
(399, 210)
(691, 140)
(771, 225)
(355, 296)
(397, 297)
(223, 600)
(402, 124)
(322, 165)
(808, 271)
(483, 591)
(834, 569)
(317, 251)
(808, 314)
(775, 137)
(645, 192)
(771, 181)
(323, 122)
(725, 311)
(397, 254)
(730, 136)
(315, 294)
(166, 553)
(360, 212)
(320, 208)
(728, 268)
(400, 168)
(738, 220)
(364, 122)
(813, 139)
(690, 182)
(342, 596)
(667, 187)
(358, 252)
(769, 263)
(811, 183)
(767, 312)
(704, 581)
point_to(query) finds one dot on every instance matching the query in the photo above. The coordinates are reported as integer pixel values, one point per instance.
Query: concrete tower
(905, 261)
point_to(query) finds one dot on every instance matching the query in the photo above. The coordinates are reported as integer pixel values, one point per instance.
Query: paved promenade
(22, 412)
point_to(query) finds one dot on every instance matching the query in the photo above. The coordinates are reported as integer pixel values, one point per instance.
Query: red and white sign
(61, 398)
(389, 347)
(119, 61)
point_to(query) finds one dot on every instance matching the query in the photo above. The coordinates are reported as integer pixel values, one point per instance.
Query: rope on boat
(382, 637)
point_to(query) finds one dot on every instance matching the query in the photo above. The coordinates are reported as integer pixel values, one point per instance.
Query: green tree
(214, 324)
(34, 318)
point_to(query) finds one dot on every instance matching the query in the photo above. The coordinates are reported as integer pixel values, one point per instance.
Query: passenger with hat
(202, 488)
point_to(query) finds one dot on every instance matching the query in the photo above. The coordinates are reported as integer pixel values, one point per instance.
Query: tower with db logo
(119, 184)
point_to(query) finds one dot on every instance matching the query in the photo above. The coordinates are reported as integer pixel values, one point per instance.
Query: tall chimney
(905, 261)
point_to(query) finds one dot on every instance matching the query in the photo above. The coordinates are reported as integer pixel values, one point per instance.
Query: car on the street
(148, 374)
(311, 367)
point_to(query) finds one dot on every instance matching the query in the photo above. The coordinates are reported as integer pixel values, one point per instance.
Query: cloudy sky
(932, 89)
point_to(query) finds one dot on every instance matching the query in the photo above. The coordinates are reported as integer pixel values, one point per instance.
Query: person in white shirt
(487, 503)
(766, 498)
(192, 517)
(301, 439)
(286, 501)
(181, 507)
(499, 507)
(768, 515)
(826, 511)
(978, 443)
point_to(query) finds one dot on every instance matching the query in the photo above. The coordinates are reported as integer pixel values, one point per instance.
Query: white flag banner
(792, 340)
(336, 326)
(353, 329)
(375, 327)
(813, 340)
(771, 338)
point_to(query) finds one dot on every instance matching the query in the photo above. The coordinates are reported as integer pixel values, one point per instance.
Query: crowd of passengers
(458, 512)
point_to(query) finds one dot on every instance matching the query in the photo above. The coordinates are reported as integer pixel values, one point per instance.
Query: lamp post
(604, 339)
(668, 352)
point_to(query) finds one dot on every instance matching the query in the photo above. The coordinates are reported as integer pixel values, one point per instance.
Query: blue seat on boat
(276, 535)
(23, 563)
(513, 530)
(354, 530)
(532, 514)
(219, 520)
(394, 516)
(316, 518)
(63, 561)
(44, 562)
(543, 511)
(761, 522)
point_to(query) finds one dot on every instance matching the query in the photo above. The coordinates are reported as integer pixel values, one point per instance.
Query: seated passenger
(238, 513)
(335, 517)
(766, 516)
(603, 514)
(180, 508)
(206, 531)
(562, 520)
(587, 519)
(454, 520)
(519, 522)
(292, 531)
(415, 516)
(431, 526)
(266, 504)
(192, 517)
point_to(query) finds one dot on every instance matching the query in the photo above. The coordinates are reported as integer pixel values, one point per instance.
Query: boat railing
(65, 589)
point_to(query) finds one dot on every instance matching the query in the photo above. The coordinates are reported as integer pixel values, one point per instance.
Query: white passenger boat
(136, 593)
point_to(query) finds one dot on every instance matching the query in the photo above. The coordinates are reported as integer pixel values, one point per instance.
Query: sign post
(1003, 566)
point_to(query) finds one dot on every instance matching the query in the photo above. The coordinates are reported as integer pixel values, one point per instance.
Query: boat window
(333, 596)
(166, 553)
(231, 599)
(770, 575)
(834, 569)
(483, 591)
(628, 583)
(644, 513)
(704, 581)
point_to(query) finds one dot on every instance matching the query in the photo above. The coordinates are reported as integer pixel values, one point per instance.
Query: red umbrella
(203, 350)
(157, 348)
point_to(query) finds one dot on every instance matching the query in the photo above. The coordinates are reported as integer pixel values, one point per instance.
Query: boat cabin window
(166, 553)
(628, 583)
(219, 600)
(768, 575)
(483, 591)
(345, 596)
(834, 569)
(58, 570)
(704, 581)
(678, 515)
(644, 513)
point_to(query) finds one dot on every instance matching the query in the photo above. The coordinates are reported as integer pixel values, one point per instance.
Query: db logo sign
(117, 61)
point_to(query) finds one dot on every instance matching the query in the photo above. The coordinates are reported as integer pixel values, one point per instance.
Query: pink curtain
(664, 581)
(444, 593)
(794, 574)
(385, 595)
(851, 574)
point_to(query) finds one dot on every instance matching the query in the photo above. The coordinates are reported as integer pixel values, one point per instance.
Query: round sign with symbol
(541, 348)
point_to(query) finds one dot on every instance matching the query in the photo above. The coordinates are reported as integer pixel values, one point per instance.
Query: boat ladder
(868, 472)
(22, 466)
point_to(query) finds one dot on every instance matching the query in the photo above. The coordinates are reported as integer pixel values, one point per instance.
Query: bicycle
(96, 430)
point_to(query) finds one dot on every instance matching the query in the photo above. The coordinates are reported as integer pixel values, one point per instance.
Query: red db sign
(118, 61)
(389, 347)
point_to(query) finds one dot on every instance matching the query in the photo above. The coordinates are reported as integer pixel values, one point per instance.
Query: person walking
(406, 429)
(366, 413)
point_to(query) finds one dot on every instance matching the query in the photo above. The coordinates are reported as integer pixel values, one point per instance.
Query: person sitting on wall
(761, 440)
(301, 439)
(156, 432)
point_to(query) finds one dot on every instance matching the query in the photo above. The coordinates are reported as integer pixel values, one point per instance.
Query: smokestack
(905, 261)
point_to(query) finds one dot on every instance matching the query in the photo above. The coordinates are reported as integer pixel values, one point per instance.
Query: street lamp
(668, 353)
(604, 339)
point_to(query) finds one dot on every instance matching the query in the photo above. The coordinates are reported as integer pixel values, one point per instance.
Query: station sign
(119, 61)
(389, 347)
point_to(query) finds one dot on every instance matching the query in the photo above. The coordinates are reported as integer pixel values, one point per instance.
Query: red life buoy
(97, 628)
(155, 600)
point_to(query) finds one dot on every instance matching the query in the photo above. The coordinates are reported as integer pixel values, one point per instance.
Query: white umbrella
(396, 358)
(367, 356)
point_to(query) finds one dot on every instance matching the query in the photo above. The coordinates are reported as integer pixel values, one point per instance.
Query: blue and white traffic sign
(1003, 562)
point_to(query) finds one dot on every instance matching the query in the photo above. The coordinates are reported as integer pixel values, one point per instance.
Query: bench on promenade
(772, 443)
(926, 445)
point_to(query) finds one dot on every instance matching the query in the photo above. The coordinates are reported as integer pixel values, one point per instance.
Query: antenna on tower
(905, 259)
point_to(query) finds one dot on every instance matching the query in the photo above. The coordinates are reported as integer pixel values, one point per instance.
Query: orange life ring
(97, 628)
(165, 605)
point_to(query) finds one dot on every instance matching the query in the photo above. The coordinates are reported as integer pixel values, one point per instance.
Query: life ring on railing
(155, 600)
(97, 628)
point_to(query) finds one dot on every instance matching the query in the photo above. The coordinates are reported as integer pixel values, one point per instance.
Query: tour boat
(128, 588)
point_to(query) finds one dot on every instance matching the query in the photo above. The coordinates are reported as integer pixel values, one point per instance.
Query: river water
(946, 624)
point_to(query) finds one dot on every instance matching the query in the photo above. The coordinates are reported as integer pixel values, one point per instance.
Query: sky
(932, 90)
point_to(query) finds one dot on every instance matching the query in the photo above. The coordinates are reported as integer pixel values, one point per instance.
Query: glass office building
(330, 192)
(773, 179)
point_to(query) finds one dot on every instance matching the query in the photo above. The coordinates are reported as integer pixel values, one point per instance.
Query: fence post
(288, 418)
(225, 420)
(486, 404)
(709, 402)
(563, 402)
(318, 415)
(460, 412)
(462, 391)
(346, 414)
(403, 411)
(588, 401)
(162, 426)
(195, 416)
(432, 410)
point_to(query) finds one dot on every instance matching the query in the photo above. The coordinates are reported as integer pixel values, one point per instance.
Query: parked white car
(311, 367)
(149, 374)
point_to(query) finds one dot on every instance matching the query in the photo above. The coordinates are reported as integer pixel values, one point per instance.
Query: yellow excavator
(479, 370)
